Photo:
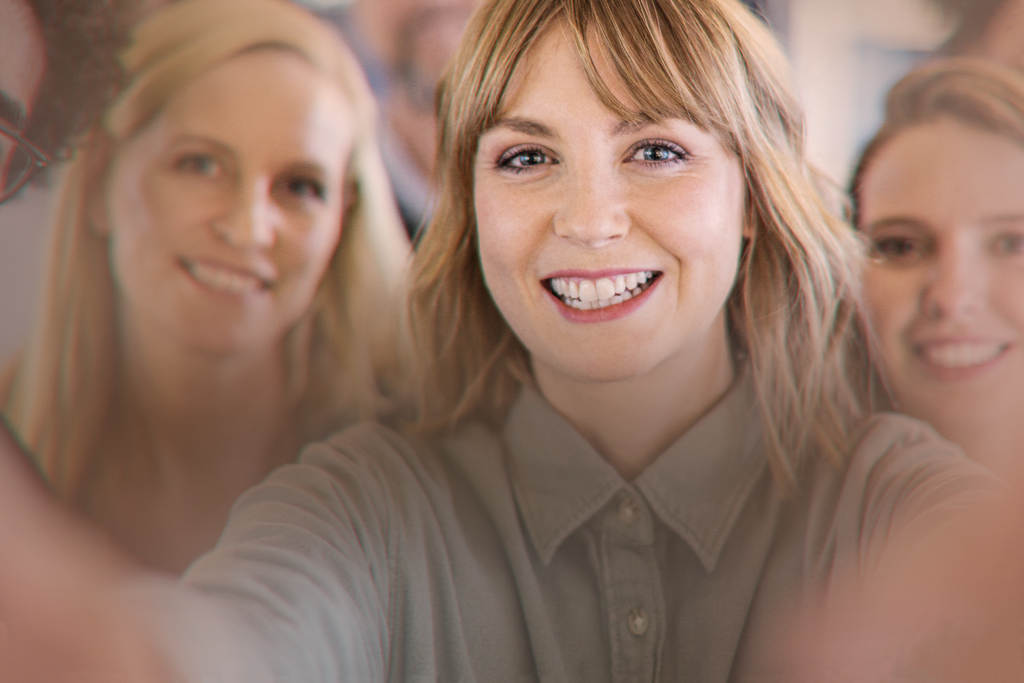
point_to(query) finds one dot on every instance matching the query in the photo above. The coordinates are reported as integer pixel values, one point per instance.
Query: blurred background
(845, 55)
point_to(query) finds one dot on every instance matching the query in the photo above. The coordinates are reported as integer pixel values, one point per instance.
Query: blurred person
(404, 46)
(937, 194)
(644, 428)
(222, 245)
(989, 29)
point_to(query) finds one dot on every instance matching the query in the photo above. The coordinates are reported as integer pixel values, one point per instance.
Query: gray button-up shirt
(523, 556)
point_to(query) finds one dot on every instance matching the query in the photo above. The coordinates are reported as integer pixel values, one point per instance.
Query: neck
(632, 421)
(188, 414)
(188, 433)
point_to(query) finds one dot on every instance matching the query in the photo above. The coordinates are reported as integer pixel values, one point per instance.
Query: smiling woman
(601, 487)
(223, 242)
(938, 196)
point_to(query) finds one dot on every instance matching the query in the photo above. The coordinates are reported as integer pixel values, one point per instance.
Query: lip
(597, 274)
(264, 281)
(609, 313)
(960, 350)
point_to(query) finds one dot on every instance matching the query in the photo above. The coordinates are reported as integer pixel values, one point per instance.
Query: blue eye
(658, 152)
(197, 164)
(1010, 244)
(520, 159)
(306, 188)
(898, 250)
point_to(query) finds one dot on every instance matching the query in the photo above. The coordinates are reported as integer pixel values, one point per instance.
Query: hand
(62, 617)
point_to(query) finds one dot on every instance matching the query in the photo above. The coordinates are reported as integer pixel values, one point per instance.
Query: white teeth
(586, 294)
(223, 279)
(961, 354)
(605, 288)
(588, 291)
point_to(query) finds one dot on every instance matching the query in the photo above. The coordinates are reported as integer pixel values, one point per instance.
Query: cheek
(1008, 296)
(892, 303)
(311, 254)
(500, 236)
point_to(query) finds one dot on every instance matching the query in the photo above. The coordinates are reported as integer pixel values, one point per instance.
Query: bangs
(666, 73)
(672, 59)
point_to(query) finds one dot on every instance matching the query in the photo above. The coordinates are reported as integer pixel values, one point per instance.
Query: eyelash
(681, 155)
(505, 160)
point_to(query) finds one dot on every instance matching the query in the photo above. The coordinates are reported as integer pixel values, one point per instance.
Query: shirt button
(638, 621)
(628, 510)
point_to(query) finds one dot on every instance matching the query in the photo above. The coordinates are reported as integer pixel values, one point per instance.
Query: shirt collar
(697, 487)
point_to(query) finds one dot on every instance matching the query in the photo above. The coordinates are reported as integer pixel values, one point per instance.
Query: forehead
(22, 57)
(945, 170)
(266, 97)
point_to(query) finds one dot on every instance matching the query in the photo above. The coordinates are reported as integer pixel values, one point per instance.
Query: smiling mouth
(224, 279)
(960, 355)
(583, 294)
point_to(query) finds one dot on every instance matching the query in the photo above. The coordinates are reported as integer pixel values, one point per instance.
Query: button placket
(631, 586)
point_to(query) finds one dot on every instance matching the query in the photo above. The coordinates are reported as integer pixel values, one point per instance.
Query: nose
(255, 219)
(591, 211)
(955, 285)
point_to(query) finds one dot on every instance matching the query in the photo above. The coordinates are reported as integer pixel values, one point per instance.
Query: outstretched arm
(59, 618)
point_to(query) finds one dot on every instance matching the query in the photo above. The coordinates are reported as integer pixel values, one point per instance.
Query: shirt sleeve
(905, 486)
(303, 569)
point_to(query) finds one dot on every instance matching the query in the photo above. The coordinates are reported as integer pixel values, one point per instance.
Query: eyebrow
(12, 111)
(529, 127)
(894, 221)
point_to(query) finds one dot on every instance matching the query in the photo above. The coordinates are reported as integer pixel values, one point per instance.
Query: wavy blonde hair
(793, 311)
(63, 384)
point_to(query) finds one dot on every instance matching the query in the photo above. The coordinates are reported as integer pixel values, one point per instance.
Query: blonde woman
(644, 433)
(222, 246)
(938, 198)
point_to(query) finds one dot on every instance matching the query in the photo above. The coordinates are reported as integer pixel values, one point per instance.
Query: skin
(221, 226)
(1003, 39)
(22, 63)
(563, 188)
(942, 207)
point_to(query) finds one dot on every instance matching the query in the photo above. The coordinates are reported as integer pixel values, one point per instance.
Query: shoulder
(894, 454)
(901, 482)
(382, 467)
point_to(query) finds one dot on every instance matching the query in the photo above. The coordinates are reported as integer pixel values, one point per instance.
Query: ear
(98, 156)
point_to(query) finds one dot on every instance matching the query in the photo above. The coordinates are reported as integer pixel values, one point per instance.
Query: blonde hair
(63, 385)
(793, 311)
(975, 92)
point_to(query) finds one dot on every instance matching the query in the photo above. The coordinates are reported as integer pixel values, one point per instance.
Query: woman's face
(943, 207)
(224, 212)
(609, 246)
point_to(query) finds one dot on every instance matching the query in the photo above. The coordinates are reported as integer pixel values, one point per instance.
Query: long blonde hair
(794, 307)
(63, 385)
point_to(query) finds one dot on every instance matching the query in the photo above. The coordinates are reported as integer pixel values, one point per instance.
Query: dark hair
(83, 39)
(971, 19)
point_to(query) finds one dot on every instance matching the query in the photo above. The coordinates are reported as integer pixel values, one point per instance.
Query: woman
(641, 438)
(222, 245)
(937, 194)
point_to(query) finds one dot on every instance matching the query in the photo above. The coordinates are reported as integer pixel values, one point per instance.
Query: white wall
(846, 54)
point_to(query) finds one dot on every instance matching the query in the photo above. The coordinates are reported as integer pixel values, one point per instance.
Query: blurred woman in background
(222, 245)
(938, 194)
